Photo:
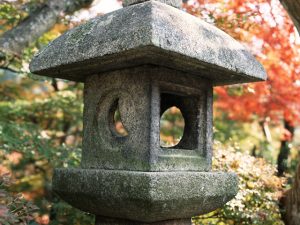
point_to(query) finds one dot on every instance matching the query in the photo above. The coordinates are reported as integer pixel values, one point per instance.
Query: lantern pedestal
(110, 221)
(145, 196)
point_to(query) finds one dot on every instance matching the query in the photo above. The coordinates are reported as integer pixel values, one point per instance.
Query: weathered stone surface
(145, 196)
(175, 3)
(109, 221)
(142, 60)
(143, 94)
(148, 33)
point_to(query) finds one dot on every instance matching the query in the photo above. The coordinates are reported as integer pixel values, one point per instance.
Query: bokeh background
(256, 126)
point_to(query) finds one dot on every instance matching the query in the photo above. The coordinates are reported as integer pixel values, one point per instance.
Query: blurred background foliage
(259, 194)
(41, 128)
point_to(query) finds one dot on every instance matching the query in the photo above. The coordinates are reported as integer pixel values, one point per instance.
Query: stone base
(110, 221)
(144, 196)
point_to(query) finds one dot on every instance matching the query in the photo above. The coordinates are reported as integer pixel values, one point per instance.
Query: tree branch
(42, 20)
(293, 8)
(10, 70)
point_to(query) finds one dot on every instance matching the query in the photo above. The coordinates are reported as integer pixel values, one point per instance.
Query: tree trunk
(293, 8)
(292, 202)
(43, 19)
(284, 150)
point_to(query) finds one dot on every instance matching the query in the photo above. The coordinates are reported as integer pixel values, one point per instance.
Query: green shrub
(257, 201)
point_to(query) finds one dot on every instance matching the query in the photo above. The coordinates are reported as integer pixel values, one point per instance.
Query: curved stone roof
(174, 3)
(148, 33)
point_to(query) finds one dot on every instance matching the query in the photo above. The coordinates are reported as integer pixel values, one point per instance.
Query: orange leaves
(265, 27)
(240, 106)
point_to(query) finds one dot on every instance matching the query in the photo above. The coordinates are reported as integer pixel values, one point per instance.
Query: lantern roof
(148, 33)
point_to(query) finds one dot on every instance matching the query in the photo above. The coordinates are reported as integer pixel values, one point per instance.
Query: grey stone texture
(148, 33)
(175, 3)
(142, 60)
(143, 94)
(145, 196)
(110, 221)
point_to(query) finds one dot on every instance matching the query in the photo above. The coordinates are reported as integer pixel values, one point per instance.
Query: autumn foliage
(41, 120)
(260, 191)
(266, 29)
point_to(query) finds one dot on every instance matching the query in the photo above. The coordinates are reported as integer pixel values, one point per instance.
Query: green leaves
(257, 201)
(10, 15)
(38, 134)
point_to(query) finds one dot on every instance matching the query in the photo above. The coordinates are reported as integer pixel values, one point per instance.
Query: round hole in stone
(118, 126)
(171, 127)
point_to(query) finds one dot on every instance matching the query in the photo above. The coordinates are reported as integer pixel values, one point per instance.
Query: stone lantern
(143, 59)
